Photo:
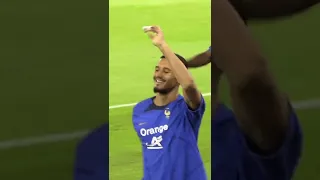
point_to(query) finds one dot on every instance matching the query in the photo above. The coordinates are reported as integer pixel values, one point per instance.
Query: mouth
(159, 81)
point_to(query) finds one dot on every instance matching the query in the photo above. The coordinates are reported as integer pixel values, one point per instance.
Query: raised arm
(200, 60)
(203, 59)
(259, 106)
(191, 94)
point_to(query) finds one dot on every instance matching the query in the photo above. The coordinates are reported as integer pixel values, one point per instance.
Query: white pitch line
(60, 137)
(51, 138)
(132, 104)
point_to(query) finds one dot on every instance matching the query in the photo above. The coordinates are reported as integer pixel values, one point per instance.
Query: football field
(291, 47)
(54, 83)
(132, 60)
(53, 74)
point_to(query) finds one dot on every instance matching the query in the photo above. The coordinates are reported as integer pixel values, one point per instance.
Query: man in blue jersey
(261, 138)
(168, 123)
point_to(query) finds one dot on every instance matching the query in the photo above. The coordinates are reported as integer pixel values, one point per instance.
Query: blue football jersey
(234, 159)
(169, 135)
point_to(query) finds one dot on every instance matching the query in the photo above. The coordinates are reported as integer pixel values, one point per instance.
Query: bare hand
(156, 35)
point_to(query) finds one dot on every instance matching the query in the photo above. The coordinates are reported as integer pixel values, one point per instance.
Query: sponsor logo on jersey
(156, 140)
(155, 143)
(155, 130)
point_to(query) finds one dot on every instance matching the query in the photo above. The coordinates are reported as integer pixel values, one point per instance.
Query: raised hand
(155, 34)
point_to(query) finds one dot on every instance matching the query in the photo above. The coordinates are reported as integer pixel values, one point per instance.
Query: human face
(164, 79)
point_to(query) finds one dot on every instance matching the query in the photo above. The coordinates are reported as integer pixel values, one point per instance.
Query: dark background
(54, 79)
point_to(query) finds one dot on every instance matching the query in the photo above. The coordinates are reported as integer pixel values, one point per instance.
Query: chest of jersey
(155, 127)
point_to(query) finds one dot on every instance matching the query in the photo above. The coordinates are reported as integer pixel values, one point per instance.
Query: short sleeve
(135, 113)
(134, 116)
(283, 162)
(195, 116)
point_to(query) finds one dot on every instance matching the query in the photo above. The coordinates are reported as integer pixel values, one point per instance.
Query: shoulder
(140, 106)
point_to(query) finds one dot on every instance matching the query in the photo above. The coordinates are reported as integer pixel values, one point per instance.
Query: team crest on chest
(167, 113)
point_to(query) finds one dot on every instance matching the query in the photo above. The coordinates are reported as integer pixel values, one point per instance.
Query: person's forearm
(266, 9)
(180, 71)
(257, 102)
(199, 60)
(216, 75)
(235, 51)
(275, 8)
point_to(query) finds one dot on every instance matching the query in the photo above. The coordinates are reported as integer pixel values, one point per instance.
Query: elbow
(188, 84)
(255, 74)
(259, 84)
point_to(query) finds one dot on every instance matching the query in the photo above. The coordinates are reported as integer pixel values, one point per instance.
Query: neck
(164, 99)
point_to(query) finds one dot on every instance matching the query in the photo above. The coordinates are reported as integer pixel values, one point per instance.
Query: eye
(166, 70)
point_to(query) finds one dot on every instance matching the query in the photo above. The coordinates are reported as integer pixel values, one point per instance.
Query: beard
(163, 91)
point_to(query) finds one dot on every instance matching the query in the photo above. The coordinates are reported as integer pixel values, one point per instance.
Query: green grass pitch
(53, 53)
(187, 30)
(132, 60)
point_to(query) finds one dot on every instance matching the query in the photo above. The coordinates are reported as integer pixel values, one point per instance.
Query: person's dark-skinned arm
(203, 59)
(259, 107)
(216, 75)
(200, 60)
(191, 93)
(271, 9)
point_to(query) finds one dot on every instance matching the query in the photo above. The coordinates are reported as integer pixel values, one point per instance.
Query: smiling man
(168, 123)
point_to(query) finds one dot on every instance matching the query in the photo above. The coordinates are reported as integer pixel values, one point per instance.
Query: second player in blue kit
(168, 123)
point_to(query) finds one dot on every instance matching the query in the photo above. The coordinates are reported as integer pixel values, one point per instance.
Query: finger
(155, 28)
(150, 31)
(151, 34)
(147, 29)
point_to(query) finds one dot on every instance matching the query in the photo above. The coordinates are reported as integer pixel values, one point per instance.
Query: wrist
(162, 46)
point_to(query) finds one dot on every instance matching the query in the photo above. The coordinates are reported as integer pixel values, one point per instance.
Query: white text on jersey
(155, 130)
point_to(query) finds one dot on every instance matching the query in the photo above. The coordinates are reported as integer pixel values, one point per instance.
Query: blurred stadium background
(53, 81)
(290, 44)
(52, 69)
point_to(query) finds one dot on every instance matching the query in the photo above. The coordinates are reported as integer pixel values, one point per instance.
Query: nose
(158, 74)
